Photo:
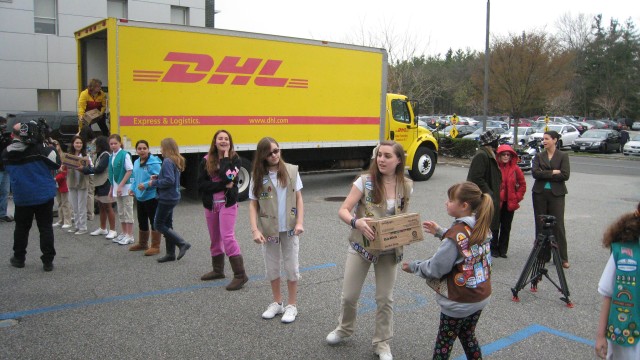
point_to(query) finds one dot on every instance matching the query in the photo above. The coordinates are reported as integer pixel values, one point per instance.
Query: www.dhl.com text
(268, 120)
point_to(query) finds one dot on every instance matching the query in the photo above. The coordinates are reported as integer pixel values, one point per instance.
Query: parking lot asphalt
(104, 302)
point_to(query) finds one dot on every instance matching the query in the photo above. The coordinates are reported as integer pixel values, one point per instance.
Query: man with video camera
(30, 164)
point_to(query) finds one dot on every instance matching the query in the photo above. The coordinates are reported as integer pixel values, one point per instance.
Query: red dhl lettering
(402, 130)
(195, 68)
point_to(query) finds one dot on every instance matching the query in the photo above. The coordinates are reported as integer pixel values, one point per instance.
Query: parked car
(524, 134)
(598, 124)
(63, 124)
(462, 130)
(524, 122)
(604, 141)
(635, 125)
(476, 134)
(578, 125)
(613, 124)
(632, 147)
(568, 134)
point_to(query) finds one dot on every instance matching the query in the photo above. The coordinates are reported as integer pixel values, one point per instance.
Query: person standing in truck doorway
(93, 98)
(276, 214)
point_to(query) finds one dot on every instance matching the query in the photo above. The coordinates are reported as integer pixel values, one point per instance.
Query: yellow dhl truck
(325, 103)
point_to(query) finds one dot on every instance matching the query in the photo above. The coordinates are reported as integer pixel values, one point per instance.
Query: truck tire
(424, 164)
(244, 177)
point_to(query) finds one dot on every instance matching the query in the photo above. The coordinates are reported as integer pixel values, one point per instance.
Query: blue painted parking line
(525, 333)
(61, 307)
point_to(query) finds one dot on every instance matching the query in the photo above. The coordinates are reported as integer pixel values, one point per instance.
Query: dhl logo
(193, 68)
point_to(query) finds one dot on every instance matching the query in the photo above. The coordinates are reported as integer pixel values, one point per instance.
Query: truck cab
(401, 125)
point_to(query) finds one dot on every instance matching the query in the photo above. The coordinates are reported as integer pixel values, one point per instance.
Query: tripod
(544, 247)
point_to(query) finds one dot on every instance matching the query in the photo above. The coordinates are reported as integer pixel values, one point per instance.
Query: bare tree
(573, 32)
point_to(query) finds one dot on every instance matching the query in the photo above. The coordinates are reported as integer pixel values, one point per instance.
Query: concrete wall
(30, 61)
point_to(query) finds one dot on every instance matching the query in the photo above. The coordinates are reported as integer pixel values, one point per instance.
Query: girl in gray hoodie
(460, 270)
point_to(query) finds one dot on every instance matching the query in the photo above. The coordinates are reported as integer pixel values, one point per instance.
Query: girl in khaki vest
(384, 191)
(276, 213)
(460, 270)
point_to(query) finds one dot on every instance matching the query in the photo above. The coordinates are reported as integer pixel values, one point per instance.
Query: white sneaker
(56, 224)
(112, 234)
(99, 231)
(72, 229)
(81, 232)
(65, 227)
(119, 238)
(273, 310)
(126, 240)
(290, 313)
(334, 339)
(385, 355)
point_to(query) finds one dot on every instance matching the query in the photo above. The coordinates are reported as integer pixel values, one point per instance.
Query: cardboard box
(91, 116)
(393, 231)
(72, 161)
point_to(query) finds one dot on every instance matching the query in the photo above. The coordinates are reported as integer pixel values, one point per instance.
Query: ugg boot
(143, 241)
(218, 269)
(154, 249)
(239, 276)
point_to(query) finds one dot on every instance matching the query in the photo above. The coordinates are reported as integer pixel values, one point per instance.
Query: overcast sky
(435, 25)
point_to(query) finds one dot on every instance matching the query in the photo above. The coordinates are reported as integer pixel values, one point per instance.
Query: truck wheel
(424, 164)
(244, 177)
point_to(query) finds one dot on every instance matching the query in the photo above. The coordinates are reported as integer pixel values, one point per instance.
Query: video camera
(34, 131)
(548, 221)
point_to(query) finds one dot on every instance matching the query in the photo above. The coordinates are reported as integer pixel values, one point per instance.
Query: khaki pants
(64, 208)
(355, 273)
(90, 197)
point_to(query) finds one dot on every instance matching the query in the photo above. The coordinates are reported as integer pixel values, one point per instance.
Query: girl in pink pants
(218, 184)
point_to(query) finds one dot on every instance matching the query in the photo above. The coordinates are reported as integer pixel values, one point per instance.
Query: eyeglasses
(274, 152)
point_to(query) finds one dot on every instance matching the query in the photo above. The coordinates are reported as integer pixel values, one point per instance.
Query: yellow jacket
(87, 102)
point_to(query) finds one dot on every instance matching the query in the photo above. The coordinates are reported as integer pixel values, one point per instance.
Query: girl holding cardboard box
(383, 191)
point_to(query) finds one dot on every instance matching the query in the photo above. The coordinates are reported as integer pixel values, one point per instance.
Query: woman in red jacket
(512, 191)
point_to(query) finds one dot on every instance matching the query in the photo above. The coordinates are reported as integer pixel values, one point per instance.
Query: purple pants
(221, 222)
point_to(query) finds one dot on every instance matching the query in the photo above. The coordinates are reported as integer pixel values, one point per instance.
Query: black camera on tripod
(34, 131)
(548, 221)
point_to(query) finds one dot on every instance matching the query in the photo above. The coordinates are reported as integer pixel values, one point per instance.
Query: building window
(48, 100)
(117, 9)
(45, 16)
(179, 15)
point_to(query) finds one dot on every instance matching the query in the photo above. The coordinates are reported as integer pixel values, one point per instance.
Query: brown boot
(239, 276)
(143, 241)
(218, 268)
(154, 249)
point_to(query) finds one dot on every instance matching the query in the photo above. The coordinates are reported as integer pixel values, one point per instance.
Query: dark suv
(63, 124)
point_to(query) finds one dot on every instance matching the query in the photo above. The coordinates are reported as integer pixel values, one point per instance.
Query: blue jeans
(163, 223)
(4, 192)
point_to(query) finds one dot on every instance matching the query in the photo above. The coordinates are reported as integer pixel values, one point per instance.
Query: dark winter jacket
(485, 173)
(228, 172)
(31, 169)
(168, 183)
(513, 184)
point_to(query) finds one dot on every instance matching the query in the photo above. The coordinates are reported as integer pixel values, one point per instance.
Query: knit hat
(488, 137)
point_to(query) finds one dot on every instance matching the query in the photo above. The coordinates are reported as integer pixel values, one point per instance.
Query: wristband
(353, 222)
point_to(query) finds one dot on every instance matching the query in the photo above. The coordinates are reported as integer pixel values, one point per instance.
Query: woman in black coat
(551, 169)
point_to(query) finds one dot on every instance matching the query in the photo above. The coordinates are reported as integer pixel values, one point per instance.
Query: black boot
(170, 249)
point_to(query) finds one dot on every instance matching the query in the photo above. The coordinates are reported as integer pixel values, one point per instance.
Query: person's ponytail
(484, 215)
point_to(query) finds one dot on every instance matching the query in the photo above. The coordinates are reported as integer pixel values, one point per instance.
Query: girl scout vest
(116, 170)
(100, 179)
(268, 204)
(366, 208)
(470, 280)
(624, 315)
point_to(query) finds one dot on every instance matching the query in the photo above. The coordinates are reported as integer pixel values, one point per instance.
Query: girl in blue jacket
(168, 185)
(143, 168)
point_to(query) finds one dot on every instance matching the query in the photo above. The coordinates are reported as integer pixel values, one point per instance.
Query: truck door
(401, 125)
